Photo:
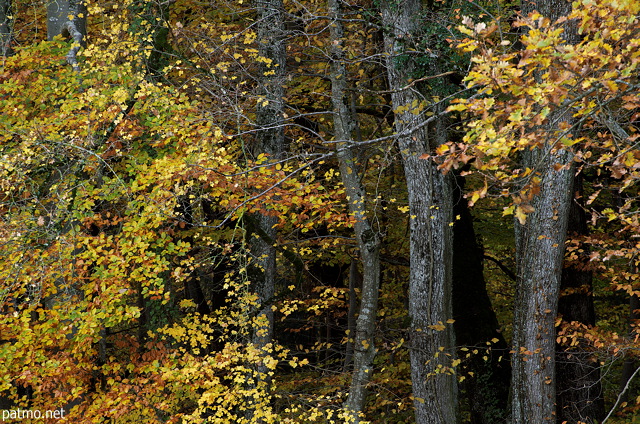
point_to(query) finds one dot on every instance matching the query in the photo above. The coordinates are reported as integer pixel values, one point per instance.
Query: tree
(5, 28)
(540, 247)
(367, 239)
(180, 201)
(542, 107)
(69, 19)
(269, 142)
(430, 210)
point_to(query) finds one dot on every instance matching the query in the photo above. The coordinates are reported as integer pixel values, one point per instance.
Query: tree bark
(368, 239)
(58, 13)
(269, 140)
(69, 19)
(430, 209)
(540, 247)
(579, 391)
(5, 28)
(355, 281)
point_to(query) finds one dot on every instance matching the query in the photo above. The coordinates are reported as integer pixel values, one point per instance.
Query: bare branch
(626, 387)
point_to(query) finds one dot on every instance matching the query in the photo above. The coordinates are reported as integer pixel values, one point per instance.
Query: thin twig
(626, 387)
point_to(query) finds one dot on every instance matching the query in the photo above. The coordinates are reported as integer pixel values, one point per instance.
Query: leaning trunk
(69, 19)
(63, 19)
(368, 240)
(430, 216)
(62, 13)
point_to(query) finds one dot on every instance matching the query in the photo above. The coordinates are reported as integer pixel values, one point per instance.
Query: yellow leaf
(508, 210)
(521, 215)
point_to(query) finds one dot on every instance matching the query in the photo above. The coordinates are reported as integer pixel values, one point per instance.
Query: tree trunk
(355, 281)
(540, 247)
(368, 240)
(430, 209)
(5, 28)
(69, 19)
(487, 390)
(58, 13)
(579, 392)
(67, 291)
(270, 140)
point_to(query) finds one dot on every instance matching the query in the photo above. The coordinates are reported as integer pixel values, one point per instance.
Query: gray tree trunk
(368, 240)
(68, 291)
(270, 140)
(58, 12)
(69, 19)
(355, 281)
(5, 28)
(540, 247)
(540, 252)
(430, 210)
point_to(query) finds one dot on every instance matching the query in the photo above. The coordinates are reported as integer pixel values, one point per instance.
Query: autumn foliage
(130, 189)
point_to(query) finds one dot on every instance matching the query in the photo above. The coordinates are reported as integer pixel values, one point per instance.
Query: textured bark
(540, 247)
(355, 281)
(69, 19)
(5, 28)
(270, 140)
(579, 392)
(58, 12)
(430, 210)
(487, 392)
(368, 240)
